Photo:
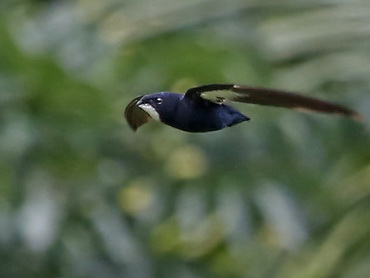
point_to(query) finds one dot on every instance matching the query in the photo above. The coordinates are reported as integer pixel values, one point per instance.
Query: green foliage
(284, 195)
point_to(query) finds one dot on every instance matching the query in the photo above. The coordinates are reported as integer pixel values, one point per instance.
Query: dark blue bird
(202, 109)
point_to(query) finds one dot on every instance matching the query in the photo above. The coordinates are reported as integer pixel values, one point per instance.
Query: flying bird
(203, 108)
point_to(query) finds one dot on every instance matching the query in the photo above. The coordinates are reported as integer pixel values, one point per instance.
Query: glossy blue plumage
(193, 115)
(202, 108)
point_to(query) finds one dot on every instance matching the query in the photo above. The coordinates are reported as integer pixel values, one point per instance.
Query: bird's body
(202, 109)
(193, 115)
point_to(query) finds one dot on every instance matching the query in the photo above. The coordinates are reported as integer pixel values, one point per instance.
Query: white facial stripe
(150, 110)
(218, 96)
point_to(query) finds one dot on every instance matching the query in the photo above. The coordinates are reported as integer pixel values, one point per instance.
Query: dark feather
(269, 97)
(136, 116)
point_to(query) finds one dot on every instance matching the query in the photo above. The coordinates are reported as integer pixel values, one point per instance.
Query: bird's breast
(203, 117)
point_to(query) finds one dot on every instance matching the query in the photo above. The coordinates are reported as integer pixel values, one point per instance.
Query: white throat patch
(150, 110)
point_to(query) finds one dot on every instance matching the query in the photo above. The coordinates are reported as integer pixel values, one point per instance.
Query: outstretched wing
(220, 92)
(135, 116)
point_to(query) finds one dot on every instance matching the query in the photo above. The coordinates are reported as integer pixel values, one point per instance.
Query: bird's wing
(135, 116)
(219, 92)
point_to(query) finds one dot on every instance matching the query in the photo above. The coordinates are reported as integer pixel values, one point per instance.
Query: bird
(204, 108)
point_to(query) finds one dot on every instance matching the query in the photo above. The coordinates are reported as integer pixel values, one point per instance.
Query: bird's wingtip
(357, 117)
(133, 126)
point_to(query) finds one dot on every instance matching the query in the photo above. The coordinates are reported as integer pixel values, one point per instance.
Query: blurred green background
(284, 195)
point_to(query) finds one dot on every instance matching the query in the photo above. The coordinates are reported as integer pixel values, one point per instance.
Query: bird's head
(151, 104)
(159, 104)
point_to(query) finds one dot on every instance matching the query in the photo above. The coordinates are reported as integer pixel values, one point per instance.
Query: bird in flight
(203, 108)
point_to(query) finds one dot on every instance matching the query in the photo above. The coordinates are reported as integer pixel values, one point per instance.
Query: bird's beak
(142, 105)
(139, 102)
(150, 110)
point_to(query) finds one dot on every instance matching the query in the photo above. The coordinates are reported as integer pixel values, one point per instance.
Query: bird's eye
(158, 100)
